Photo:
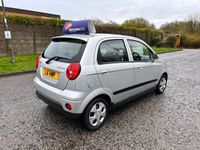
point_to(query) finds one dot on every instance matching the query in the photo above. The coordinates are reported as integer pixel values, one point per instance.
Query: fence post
(34, 40)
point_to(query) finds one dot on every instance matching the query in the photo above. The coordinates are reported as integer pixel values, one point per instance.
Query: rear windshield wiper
(55, 58)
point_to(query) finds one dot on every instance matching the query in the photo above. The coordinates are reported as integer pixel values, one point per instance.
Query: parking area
(168, 121)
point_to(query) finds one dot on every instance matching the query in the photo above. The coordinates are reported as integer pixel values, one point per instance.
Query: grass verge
(160, 50)
(22, 63)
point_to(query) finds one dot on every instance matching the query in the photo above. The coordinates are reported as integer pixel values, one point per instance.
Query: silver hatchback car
(86, 75)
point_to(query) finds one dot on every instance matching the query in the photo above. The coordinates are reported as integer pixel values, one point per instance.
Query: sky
(156, 11)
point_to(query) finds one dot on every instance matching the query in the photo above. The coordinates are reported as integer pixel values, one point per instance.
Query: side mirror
(155, 56)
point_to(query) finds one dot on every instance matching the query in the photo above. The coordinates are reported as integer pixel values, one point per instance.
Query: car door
(146, 69)
(114, 69)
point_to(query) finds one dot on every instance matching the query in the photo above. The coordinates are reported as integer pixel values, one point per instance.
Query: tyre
(160, 88)
(95, 114)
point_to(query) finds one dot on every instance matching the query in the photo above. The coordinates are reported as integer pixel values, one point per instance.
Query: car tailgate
(53, 73)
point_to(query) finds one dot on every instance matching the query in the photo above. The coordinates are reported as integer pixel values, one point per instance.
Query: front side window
(71, 49)
(112, 51)
(139, 51)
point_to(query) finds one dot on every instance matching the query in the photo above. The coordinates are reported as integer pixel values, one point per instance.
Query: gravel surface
(168, 121)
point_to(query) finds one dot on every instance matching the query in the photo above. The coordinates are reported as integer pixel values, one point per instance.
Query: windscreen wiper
(55, 58)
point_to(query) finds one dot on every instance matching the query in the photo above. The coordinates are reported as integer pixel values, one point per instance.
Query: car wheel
(95, 114)
(162, 84)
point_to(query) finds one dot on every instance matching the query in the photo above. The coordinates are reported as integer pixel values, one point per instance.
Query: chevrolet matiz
(86, 75)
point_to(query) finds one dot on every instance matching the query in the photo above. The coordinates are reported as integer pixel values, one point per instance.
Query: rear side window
(71, 49)
(112, 51)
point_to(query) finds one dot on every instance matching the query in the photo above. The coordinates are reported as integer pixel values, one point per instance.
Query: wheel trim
(97, 114)
(162, 84)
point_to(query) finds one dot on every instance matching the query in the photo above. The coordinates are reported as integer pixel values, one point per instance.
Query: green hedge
(170, 42)
(34, 21)
(151, 36)
(190, 41)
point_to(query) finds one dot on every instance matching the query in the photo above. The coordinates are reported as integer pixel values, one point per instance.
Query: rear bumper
(58, 98)
(57, 106)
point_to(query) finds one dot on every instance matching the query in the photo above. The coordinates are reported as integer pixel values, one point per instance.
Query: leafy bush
(171, 40)
(190, 41)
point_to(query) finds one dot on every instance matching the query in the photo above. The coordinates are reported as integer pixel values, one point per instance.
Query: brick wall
(28, 38)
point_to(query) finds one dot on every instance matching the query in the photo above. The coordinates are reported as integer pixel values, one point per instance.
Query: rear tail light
(73, 71)
(37, 61)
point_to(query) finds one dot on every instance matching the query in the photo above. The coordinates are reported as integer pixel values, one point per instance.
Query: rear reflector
(68, 106)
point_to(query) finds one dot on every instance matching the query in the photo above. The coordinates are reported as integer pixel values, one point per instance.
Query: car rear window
(71, 49)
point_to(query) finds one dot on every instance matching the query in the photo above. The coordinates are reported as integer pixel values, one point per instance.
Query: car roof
(86, 37)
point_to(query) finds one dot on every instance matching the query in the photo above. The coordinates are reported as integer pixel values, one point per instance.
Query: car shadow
(57, 119)
(60, 117)
(132, 103)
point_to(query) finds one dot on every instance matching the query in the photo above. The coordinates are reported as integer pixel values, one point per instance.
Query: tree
(173, 27)
(97, 21)
(138, 23)
(190, 25)
(193, 24)
(112, 22)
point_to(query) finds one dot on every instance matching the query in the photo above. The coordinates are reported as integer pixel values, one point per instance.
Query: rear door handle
(139, 67)
(104, 72)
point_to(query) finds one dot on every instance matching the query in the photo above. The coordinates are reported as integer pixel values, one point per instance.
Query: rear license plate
(50, 73)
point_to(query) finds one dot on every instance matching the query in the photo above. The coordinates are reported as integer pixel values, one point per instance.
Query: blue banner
(79, 27)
